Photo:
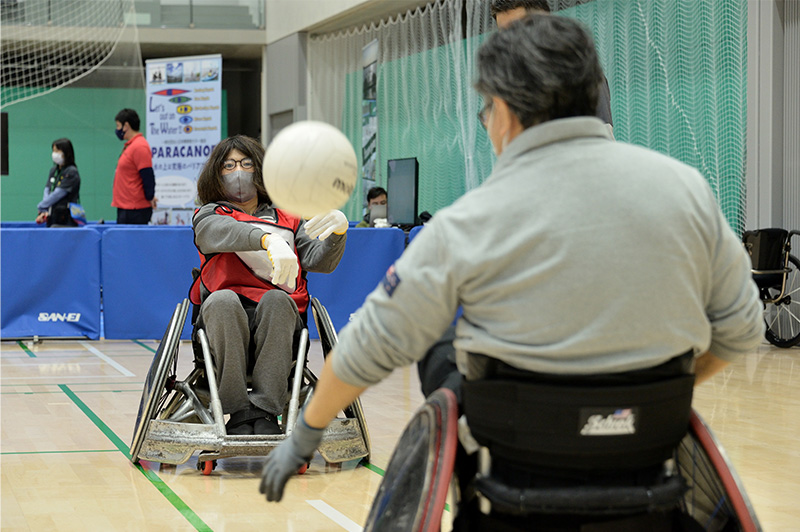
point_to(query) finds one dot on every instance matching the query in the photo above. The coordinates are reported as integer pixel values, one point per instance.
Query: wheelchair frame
(177, 418)
(778, 281)
(715, 496)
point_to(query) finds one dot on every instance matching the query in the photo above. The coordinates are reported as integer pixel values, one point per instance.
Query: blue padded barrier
(368, 254)
(50, 282)
(146, 272)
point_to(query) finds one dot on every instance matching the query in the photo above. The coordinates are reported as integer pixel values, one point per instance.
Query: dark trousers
(134, 216)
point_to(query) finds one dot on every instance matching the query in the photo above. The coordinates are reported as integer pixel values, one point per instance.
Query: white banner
(184, 117)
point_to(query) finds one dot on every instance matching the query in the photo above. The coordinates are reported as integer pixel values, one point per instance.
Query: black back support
(594, 426)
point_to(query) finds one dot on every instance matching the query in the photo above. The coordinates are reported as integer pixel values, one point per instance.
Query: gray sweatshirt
(578, 255)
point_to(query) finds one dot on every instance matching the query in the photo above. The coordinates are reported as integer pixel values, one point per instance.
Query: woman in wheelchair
(252, 283)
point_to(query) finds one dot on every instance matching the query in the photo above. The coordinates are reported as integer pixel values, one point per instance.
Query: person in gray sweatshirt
(577, 256)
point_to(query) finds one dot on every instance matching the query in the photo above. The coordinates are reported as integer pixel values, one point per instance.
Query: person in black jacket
(62, 188)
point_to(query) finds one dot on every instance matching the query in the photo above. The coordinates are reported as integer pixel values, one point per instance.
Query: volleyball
(310, 168)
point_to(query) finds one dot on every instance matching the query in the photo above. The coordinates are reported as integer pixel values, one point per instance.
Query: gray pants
(271, 327)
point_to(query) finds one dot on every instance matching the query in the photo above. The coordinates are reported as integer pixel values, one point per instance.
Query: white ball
(310, 168)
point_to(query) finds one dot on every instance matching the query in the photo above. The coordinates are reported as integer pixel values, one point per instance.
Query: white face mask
(239, 186)
(58, 158)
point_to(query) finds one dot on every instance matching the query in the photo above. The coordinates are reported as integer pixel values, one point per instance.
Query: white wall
(285, 17)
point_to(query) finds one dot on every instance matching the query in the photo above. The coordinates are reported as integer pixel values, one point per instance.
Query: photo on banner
(369, 116)
(183, 124)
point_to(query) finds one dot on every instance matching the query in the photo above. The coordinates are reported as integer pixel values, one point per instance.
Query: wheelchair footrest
(343, 441)
(169, 442)
(582, 500)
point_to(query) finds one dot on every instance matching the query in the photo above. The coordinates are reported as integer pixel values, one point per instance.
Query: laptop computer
(376, 212)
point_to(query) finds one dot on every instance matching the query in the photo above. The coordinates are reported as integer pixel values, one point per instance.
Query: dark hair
(129, 116)
(501, 6)
(544, 67)
(375, 192)
(66, 146)
(209, 184)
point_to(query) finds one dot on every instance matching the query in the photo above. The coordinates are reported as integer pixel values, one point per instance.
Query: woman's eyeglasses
(230, 164)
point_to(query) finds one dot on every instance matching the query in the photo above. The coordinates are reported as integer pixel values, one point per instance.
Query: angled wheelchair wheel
(782, 314)
(328, 339)
(716, 498)
(412, 495)
(156, 389)
(327, 334)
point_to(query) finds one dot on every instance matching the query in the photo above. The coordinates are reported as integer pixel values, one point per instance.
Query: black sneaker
(267, 425)
(241, 422)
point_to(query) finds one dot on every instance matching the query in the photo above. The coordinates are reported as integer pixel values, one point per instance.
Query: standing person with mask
(62, 188)
(251, 289)
(134, 181)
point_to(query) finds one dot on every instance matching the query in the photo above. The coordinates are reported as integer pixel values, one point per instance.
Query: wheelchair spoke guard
(716, 498)
(155, 385)
(340, 428)
(412, 495)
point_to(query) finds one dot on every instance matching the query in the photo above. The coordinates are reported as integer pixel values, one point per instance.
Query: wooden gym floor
(68, 410)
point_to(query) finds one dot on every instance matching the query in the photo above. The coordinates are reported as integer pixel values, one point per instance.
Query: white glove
(284, 261)
(322, 225)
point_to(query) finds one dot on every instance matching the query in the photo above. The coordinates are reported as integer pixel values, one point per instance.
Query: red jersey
(128, 192)
(226, 271)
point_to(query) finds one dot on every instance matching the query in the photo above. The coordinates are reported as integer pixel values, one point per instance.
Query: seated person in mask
(375, 196)
(252, 283)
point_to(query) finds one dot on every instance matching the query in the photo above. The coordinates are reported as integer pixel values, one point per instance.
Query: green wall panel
(86, 117)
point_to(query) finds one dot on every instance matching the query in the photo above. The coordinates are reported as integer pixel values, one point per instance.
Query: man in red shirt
(134, 181)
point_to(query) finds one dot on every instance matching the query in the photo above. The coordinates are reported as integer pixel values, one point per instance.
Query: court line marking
(92, 362)
(116, 365)
(57, 378)
(335, 515)
(82, 391)
(149, 474)
(63, 452)
(25, 348)
(145, 346)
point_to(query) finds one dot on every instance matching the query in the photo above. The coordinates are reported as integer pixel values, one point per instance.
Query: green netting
(421, 119)
(677, 73)
(678, 76)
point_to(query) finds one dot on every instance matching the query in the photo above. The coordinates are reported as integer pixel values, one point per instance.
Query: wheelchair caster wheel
(207, 466)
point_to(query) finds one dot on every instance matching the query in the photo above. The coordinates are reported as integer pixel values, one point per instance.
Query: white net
(47, 44)
(433, 118)
(677, 73)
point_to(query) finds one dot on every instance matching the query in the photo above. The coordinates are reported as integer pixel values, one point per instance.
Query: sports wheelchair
(601, 453)
(177, 418)
(777, 273)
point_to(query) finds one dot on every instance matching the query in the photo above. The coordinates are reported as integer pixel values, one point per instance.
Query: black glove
(296, 450)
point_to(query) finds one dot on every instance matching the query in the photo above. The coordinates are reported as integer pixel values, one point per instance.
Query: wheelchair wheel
(156, 389)
(716, 498)
(783, 316)
(328, 339)
(411, 497)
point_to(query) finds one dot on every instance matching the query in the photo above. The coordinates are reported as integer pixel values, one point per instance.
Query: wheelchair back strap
(582, 426)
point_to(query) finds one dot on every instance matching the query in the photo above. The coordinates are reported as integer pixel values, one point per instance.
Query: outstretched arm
(331, 396)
